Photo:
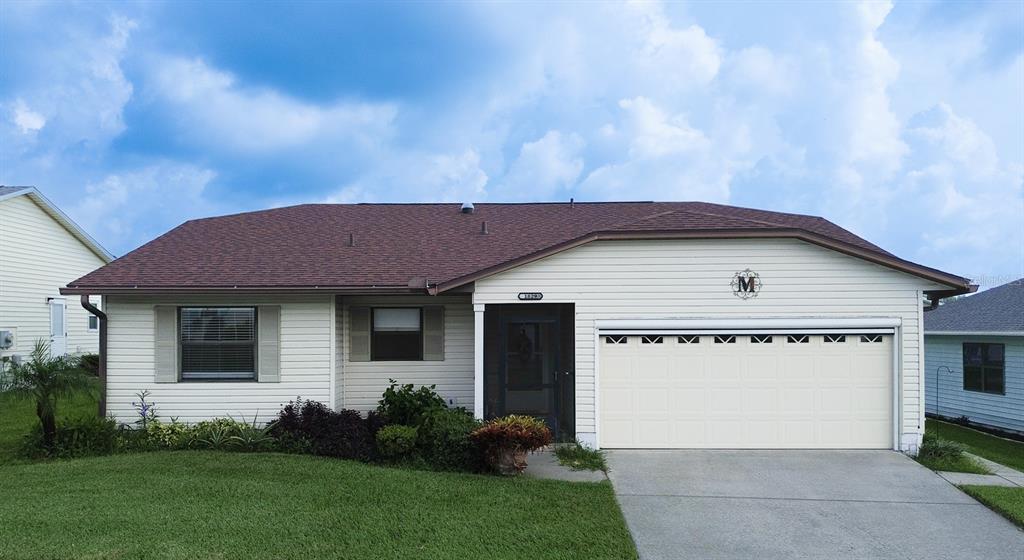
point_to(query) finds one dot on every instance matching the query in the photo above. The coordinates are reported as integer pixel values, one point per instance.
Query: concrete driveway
(801, 504)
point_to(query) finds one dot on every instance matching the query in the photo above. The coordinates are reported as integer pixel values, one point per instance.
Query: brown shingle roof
(400, 246)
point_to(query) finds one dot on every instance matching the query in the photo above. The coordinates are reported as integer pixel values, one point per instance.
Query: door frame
(761, 325)
(562, 315)
(63, 303)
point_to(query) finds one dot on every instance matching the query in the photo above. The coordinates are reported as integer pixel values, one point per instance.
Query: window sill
(996, 393)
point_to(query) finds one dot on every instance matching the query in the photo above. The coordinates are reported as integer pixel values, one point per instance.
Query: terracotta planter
(507, 461)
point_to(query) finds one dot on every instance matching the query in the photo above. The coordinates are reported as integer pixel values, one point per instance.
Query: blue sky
(903, 122)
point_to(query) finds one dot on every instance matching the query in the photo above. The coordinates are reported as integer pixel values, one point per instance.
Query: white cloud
(679, 57)
(78, 94)
(412, 177)
(544, 168)
(655, 134)
(221, 113)
(27, 120)
(874, 143)
(143, 203)
(762, 71)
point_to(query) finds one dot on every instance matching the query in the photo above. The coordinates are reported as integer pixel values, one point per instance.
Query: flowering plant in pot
(506, 441)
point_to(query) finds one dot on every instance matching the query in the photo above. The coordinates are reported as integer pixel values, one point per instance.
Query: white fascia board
(64, 220)
(752, 324)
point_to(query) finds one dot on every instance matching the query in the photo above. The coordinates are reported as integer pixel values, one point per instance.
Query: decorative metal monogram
(746, 284)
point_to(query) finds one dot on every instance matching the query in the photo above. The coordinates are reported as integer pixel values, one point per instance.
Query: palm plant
(45, 378)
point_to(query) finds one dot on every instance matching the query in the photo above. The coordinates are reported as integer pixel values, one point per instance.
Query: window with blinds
(218, 343)
(397, 334)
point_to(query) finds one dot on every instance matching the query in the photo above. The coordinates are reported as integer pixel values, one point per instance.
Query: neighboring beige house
(622, 325)
(41, 250)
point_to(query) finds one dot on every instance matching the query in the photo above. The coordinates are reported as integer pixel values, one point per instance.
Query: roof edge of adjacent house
(63, 219)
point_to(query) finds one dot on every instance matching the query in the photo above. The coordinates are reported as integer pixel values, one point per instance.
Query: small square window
(615, 339)
(690, 339)
(94, 323)
(397, 334)
(650, 340)
(798, 339)
(871, 338)
(761, 339)
(833, 338)
(725, 339)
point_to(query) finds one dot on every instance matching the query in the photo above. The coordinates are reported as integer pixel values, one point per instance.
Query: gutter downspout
(103, 352)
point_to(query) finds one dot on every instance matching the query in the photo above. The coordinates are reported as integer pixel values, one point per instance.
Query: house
(974, 358)
(632, 324)
(41, 250)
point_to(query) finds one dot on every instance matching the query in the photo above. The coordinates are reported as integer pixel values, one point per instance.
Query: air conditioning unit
(6, 339)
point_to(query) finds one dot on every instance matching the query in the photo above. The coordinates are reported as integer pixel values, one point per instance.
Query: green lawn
(1007, 501)
(1002, 451)
(204, 504)
(962, 463)
(17, 417)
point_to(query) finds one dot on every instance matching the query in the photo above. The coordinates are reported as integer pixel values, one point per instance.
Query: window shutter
(433, 333)
(268, 322)
(359, 334)
(165, 336)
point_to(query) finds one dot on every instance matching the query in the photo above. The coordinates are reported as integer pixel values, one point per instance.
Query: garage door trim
(758, 325)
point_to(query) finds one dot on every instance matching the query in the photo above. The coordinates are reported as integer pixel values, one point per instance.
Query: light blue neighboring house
(974, 358)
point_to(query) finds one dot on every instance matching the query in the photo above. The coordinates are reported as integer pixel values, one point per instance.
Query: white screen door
(58, 328)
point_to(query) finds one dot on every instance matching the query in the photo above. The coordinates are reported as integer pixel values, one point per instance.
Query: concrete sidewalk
(801, 504)
(1001, 475)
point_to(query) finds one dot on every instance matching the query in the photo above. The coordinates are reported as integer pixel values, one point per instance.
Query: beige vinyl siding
(38, 256)
(362, 383)
(306, 348)
(665, 279)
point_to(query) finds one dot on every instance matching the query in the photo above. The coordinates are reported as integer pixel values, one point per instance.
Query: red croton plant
(506, 441)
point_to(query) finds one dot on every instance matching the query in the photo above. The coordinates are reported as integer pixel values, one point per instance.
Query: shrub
(444, 440)
(396, 442)
(407, 405)
(524, 433)
(935, 448)
(250, 437)
(173, 435)
(505, 441)
(79, 437)
(90, 363)
(218, 433)
(342, 433)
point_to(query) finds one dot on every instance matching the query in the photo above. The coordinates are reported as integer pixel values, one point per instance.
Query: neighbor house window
(397, 334)
(983, 367)
(218, 343)
(94, 323)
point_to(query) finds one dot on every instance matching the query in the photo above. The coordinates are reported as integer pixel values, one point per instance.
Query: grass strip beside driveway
(204, 504)
(1002, 451)
(1009, 502)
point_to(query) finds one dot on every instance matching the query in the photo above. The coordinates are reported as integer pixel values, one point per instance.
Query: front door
(534, 366)
(58, 327)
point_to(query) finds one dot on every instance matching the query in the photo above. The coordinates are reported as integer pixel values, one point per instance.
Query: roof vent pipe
(467, 207)
(351, 240)
(572, 203)
(483, 227)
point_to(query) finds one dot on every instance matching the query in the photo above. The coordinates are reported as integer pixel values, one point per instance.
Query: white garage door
(746, 391)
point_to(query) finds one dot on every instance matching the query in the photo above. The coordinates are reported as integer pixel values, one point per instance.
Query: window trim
(373, 331)
(196, 377)
(88, 323)
(984, 367)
